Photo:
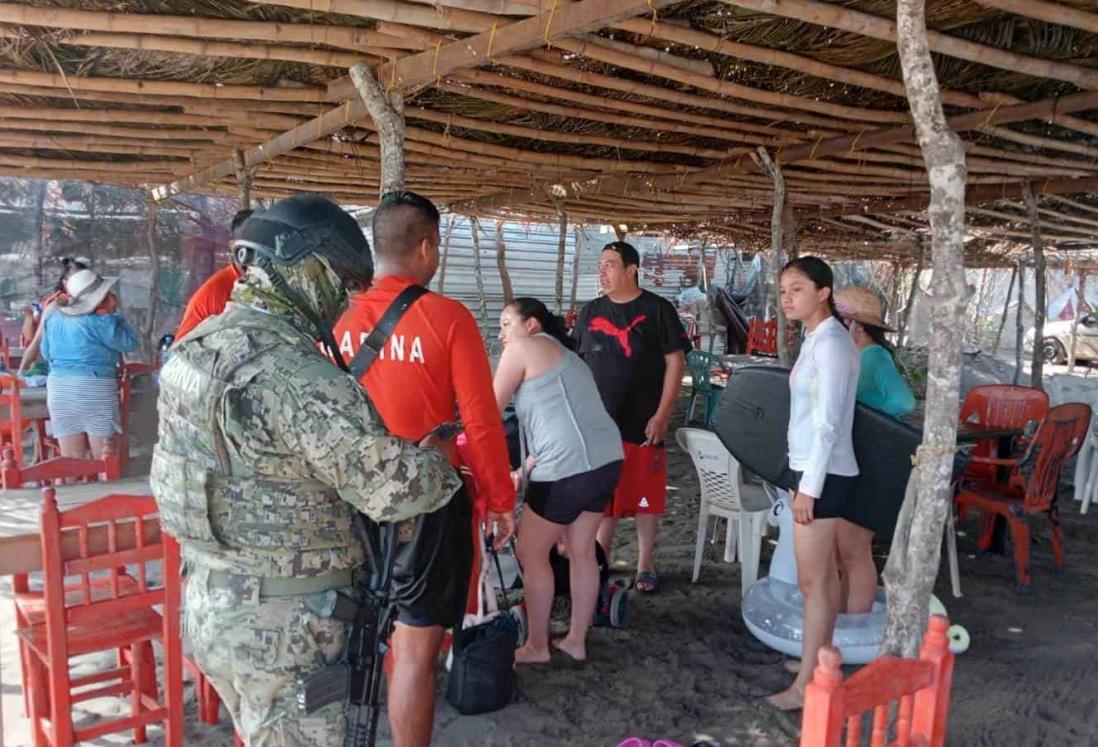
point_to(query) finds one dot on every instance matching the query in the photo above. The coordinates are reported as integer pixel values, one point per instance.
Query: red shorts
(643, 485)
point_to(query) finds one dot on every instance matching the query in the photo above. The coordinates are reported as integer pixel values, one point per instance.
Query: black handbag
(482, 673)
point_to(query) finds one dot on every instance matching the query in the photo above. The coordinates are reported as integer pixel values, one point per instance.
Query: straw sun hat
(862, 305)
(86, 290)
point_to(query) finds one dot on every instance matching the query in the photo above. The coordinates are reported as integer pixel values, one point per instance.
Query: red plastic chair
(1034, 480)
(922, 686)
(57, 470)
(762, 338)
(11, 415)
(80, 619)
(126, 376)
(999, 406)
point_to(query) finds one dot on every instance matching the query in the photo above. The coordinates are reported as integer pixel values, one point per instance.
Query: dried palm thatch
(649, 121)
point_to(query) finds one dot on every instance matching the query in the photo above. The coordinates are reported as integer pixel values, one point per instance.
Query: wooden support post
(501, 263)
(562, 249)
(621, 231)
(243, 180)
(152, 214)
(445, 253)
(777, 226)
(1019, 323)
(1006, 308)
(386, 109)
(914, 558)
(1079, 301)
(893, 316)
(482, 299)
(1039, 267)
(581, 239)
(902, 332)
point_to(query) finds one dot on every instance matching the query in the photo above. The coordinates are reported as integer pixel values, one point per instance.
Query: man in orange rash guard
(211, 296)
(432, 368)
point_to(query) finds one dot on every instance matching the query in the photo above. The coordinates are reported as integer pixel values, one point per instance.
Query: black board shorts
(431, 572)
(836, 494)
(562, 501)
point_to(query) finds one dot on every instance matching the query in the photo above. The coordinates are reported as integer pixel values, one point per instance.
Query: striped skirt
(83, 404)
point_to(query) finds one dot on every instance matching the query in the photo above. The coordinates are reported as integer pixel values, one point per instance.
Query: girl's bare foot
(788, 700)
(577, 651)
(527, 655)
(793, 666)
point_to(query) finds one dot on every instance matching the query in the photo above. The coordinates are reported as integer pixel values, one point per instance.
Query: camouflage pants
(253, 652)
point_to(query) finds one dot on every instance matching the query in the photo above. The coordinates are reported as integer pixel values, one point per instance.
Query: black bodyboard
(752, 419)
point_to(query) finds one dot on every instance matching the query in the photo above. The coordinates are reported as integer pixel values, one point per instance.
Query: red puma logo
(607, 327)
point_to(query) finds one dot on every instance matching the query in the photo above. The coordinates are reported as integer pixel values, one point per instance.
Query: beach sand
(687, 668)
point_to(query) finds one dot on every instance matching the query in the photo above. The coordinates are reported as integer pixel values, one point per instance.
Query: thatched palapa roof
(643, 112)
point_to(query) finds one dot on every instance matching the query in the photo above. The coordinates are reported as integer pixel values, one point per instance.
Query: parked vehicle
(1056, 340)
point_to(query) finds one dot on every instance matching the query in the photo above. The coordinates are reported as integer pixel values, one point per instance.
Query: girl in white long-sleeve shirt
(822, 386)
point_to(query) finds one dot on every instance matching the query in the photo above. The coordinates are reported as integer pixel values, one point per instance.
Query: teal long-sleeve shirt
(880, 384)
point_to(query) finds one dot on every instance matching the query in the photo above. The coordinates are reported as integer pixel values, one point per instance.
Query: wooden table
(20, 547)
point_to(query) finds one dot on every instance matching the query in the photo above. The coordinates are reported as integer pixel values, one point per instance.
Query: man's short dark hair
(628, 253)
(403, 220)
(239, 218)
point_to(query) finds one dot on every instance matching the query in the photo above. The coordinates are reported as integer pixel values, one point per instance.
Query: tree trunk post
(621, 231)
(501, 263)
(1039, 267)
(581, 239)
(777, 234)
(387, 111)
(152, 218)
(243, 180)
(916, 547)
(445, 254)
(893, 316)
(905, 318)
(1075, 322)
(1020, 324)
(482, 299)
(1006, 308)
(562, 250)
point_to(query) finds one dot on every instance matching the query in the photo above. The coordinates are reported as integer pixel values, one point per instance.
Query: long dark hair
(819, 272)
(551, 324)
(878, 336)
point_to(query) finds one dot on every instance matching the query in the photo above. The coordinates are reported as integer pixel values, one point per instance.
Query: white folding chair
(724, 494)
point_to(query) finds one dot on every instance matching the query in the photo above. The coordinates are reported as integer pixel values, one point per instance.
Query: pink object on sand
(635, 742)
(665, 743)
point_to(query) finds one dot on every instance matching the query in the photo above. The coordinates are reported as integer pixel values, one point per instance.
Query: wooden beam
(1057, 13)
(345, 37)
(876, 27)
(435, 17)
(428, 67)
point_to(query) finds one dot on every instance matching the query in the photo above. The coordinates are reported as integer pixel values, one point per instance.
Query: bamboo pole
(1079, 301)
(876, 27)
(148, 88)
(345, 37)
(386, 109)
(581, 239)
(428, 67)
(482, 300)
(777, 215)
(1039, 274)
(1055, 13)
(913, 560)
(501, 263)
(698, 67)
(434, 17)
(243, 180)
(445, 254)
(1006, 308)
(1019, 324)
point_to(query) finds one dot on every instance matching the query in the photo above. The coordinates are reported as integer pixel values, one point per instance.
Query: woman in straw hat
(83, 343)
(881, 387)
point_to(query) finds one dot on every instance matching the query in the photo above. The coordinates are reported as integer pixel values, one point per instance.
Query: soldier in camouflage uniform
(266, 449)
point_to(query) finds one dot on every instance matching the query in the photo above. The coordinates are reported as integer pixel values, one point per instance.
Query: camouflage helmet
(301, 226)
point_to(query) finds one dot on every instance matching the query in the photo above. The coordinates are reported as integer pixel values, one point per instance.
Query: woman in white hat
(34, 315)
(881, 387)
(83, 342)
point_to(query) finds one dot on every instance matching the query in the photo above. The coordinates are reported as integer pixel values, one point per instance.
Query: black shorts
(562, 501)
(837, 490)
(431, 572)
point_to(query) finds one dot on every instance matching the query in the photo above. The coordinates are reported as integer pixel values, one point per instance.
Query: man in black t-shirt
(635, 345)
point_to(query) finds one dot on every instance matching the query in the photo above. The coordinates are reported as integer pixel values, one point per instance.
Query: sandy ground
(688, 669)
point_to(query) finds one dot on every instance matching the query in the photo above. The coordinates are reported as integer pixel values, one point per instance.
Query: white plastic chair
(724, 494)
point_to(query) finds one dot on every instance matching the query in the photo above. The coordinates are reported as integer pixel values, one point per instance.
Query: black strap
(374, 344)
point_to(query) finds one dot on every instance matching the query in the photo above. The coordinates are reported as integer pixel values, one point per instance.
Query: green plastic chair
(700, 365)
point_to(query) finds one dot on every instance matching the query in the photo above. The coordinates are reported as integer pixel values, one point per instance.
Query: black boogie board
(752, 418)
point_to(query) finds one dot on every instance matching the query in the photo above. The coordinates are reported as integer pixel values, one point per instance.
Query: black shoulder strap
(373, 345)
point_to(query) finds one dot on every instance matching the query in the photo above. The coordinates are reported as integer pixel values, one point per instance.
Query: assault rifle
(357, 678)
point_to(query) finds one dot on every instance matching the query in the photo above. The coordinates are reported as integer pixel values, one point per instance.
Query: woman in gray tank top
(573, 468)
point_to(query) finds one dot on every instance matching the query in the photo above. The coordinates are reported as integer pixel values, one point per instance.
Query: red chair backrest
(922, 686)
(1058, 439)
(762, 337)
(11, 415)
(59, 469)
(1001, 406)
(108, 536)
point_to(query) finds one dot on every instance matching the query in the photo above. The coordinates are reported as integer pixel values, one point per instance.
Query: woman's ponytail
(551, 324)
